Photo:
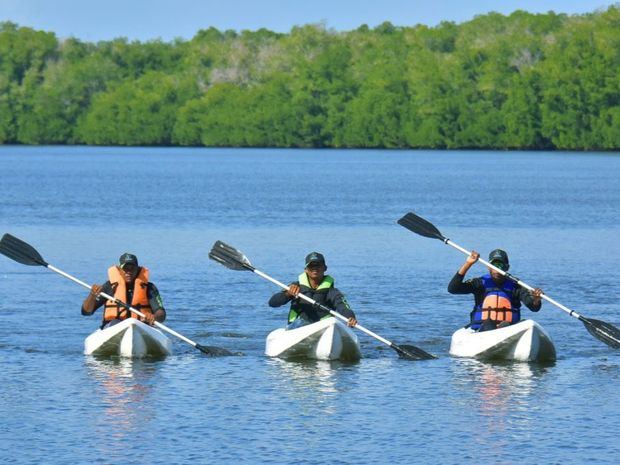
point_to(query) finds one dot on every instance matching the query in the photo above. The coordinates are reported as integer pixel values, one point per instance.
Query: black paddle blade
(409, 352)
(20, 251)
(603, 331)
(420, 226)
(213, 351)
(229, 257)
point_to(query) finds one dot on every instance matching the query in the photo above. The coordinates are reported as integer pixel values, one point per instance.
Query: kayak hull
(525, 341)
(327, 339)
(129, 338)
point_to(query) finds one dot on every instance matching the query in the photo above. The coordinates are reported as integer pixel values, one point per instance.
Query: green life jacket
(319, 294)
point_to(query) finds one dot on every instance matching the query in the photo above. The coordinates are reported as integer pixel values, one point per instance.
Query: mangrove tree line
(523, 81)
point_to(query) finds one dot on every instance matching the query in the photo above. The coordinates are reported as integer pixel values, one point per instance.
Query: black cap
(499, 255)
(128, 258)
(315, 257)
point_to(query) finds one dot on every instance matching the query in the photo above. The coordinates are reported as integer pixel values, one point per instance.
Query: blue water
(556, 214)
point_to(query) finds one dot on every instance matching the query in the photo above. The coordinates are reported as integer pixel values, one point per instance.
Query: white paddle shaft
(112, 299)
(313, 302)
(517, 280)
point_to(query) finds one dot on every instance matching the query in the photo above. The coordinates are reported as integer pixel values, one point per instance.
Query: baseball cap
(315, 257)
(499, 255)
(128, 258)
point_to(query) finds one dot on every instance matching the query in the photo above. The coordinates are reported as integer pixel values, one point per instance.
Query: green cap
(128, 259)
(315, 257)
(499, 255)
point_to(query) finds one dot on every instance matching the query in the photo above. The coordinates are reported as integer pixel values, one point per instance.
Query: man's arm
(531, 300)
(284, 297)
(156, 303)
(339, 303)
(93, 301)
(279, 299)
(458, 286)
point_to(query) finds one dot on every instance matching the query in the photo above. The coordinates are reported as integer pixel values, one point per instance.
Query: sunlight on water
(559, 228)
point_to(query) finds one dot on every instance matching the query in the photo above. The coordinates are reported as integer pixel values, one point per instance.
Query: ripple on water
(60, 407)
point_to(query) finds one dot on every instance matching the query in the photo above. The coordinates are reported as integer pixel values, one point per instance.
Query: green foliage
(138, 112)
(23, 49)
(7, 110)
(523, 81)
(581, 85)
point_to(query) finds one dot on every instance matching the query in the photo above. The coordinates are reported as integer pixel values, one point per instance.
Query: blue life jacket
(499, 303)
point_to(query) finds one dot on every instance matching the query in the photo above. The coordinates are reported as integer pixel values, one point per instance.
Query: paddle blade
(229, 257)
(213, 351)
(20, 251)
(603, 331)
(410, 352)
(420, 226)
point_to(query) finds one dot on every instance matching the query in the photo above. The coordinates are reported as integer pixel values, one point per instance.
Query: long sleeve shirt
(331, 298)
(475, 286)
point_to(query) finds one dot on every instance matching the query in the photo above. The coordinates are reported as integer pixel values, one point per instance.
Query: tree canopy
(523, 81)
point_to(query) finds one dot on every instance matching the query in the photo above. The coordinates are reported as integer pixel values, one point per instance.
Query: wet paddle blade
(229, 257)
(20, 251)
(213, 351)
(603, 331)
(410, 352)
(420, 226)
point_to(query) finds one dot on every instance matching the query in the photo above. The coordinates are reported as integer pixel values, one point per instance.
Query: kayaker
(129, 283)
(497, 299)
(313, 283)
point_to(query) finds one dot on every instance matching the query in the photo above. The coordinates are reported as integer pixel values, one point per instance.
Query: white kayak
(525, 341)
(327, 339)
(129, 338)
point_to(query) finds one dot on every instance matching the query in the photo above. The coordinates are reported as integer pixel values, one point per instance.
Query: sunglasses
(501, 265)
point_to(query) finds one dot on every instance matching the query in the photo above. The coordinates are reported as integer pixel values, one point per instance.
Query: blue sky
(94, 20)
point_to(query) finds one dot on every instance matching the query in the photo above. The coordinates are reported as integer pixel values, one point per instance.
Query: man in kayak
(497, 299)
(313, 283)
(129, 283)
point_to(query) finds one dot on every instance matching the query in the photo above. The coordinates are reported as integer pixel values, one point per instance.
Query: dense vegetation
(520, 81)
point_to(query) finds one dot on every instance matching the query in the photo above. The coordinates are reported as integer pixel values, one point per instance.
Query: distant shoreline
(326, 149)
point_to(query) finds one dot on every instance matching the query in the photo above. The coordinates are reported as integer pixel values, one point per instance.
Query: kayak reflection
(500, 384)
(123, 389)
(501, 394)
(311, 382)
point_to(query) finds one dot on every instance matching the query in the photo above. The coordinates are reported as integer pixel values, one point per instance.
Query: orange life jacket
(497, 308)
(139, 300)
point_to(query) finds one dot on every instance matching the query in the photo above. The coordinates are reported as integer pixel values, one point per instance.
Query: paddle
(601, 330)
(235, 260)
(25, 254)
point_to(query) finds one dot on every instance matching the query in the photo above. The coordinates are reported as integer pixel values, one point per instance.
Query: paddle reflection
(124, 387)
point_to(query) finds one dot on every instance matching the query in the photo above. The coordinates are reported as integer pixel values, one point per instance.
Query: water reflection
(310, 382)
(123, 391)
(503, 398)
(499, 385)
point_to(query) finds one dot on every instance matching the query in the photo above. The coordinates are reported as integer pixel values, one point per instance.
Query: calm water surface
(555, 213)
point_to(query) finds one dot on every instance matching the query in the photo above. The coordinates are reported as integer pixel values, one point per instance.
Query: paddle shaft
(601, 330)
(323, 307)
(235, 260)
(123, 304)
(517, 280)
